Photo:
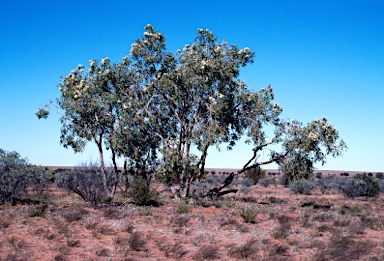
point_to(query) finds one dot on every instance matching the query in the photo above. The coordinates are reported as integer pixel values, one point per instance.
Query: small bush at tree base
(86, 181)
(302, 186)
(142, 194)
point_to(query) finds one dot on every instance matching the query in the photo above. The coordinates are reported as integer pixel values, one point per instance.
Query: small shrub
(379, 175)
(86, 181)
(380, 182)
(36, 213)
(319, 175)
(16, 174)
(265, 182)
(344, 174)
(248, 215)
(183, 209)
(302, 186)
(142, 194)
(361, 186)
(330, 183)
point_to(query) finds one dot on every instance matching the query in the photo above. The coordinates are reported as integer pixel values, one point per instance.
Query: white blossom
(105, 61)
(92, 63)
(312, 136)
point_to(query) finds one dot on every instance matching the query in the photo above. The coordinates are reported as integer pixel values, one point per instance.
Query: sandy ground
(285, 227)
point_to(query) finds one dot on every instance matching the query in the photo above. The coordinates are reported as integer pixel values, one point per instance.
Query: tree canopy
(163, 111)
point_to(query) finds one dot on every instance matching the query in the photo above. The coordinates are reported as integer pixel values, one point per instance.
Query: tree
(159, 110)
(193, 101)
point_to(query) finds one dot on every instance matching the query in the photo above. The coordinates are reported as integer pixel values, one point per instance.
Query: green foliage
(16, 175)
(255, 174)
(361, 186)
(302, 186)
(154, 107)
(248, 215)
(183, 209)
(142, 194)
(36, 213)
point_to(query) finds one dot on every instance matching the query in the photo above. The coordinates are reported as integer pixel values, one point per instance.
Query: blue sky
(324, 58)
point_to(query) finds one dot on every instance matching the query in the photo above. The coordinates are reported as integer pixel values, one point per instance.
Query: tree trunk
(102, 165)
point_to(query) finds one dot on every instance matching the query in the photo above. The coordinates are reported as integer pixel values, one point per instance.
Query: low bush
(380, 182)
(86, 181)
(361, 186)
(142, 194)
(16, 175)
(265, 182)
(330, 183)
(248, 215)
(302, 186)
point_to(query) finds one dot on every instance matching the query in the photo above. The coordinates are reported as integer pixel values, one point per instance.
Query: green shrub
(319, 175)
(142, 194)
(248, 215)
(16, 174)
(361, 186)
(302, 186)
(183, 209)
(379, 175)
(36, 213)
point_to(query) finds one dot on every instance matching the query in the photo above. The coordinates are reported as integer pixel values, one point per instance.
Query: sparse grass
(344, 248)
(278, 250)
(176, 250)
(247, 250)
(136, 241)
(145, 211)
(282, 231)
(207, 252)
(315, 227)
(181, 221)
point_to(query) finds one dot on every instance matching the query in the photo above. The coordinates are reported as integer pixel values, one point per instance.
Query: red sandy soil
(327, 227)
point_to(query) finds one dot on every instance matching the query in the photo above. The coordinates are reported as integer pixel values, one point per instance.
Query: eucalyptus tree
(164, 111)
(88, 111)
(193, 101)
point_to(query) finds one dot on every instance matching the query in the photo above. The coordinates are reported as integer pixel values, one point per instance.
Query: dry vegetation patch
(267, 224)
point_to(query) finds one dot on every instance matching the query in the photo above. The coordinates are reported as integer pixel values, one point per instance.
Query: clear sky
(324, 58)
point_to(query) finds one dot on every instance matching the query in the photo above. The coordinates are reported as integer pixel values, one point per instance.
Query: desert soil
(286, 227)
